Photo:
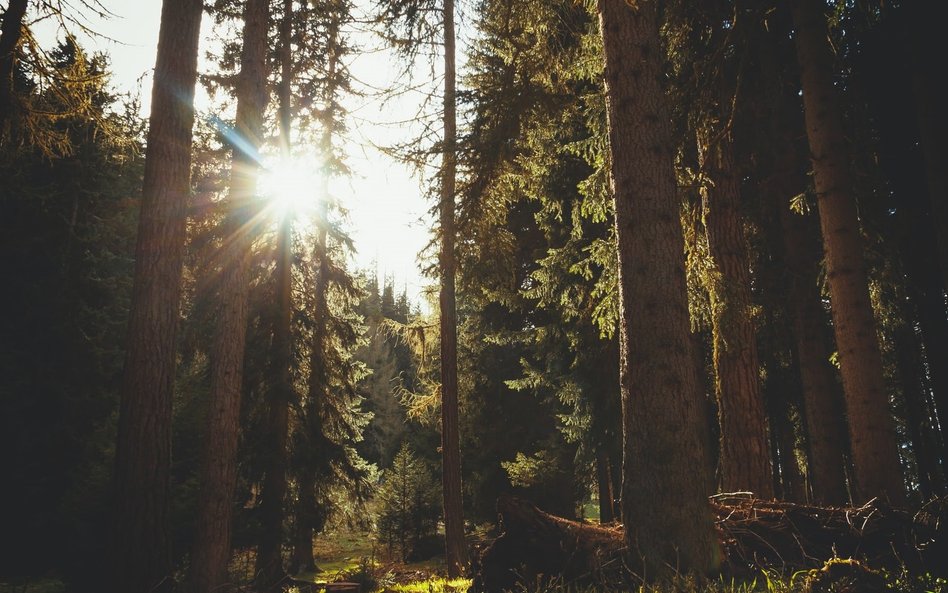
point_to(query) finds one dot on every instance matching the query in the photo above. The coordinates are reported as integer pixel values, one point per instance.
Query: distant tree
(408, 505)
(669, 526)
(141, 552)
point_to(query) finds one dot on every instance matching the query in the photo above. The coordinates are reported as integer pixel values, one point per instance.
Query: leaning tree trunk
(875, 457)
(141, 547)
(670, 527)
(455, 549)
(210, 553)
(744, 458)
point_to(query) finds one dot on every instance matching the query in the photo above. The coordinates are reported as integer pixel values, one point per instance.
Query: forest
(685, 325)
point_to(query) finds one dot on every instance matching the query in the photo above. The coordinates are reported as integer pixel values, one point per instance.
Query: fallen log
(535, 546)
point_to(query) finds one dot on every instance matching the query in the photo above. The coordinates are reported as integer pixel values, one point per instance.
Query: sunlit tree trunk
(455, 549)
(210, 553)
(666, 474)
(744, 456)
(140, 546)
(871, 428)
(270, 572)
(11, 31)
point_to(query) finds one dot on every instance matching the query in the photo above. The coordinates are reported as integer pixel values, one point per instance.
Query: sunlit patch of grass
(437, 585)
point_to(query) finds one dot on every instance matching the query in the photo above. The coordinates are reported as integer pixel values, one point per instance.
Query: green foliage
(409, 502)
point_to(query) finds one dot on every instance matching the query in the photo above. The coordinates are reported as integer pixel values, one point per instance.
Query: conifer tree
(871, 428)
(211, 552)
(141, 548)
(661, 400)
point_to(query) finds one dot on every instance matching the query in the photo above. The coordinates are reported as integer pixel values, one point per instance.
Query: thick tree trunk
(662, 405)
(141, 550)
(455, 548)
(210, 553)
(11, 30)
(744, 460)
(871, 428)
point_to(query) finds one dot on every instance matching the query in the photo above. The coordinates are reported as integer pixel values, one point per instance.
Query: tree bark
(670, 528)
(210, 553)
(744, 461)
(455, 548)
(11, 31)
(871, 428)
(141, 548)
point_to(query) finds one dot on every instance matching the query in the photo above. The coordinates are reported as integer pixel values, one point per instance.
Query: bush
(409, 505)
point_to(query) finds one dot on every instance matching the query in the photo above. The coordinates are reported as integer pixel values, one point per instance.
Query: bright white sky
(388, 217)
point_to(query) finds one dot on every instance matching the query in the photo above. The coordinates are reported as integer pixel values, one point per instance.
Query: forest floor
(355, 556)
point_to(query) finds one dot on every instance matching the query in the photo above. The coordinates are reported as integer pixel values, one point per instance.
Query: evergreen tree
(141, 553)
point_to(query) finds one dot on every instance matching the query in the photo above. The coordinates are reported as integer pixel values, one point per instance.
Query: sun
(291, 186)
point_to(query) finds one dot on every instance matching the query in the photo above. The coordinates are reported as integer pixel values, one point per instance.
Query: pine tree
(141, 552)
(661, 400)
(871, 431)
(211, 552)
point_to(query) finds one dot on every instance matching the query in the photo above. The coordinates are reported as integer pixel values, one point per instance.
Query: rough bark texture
(210, 553)
(11, 30)
(666, 475)
(871, 429)
(455, 549)
(535, 546)
(141, 554)
(744, 460)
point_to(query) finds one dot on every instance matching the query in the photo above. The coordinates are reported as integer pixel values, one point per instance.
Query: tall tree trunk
(11, 30)
(871, 427)
(210, 553)
(141, 547)
(665, 508)
(270, 572)
(455, 548)
(744, 458)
